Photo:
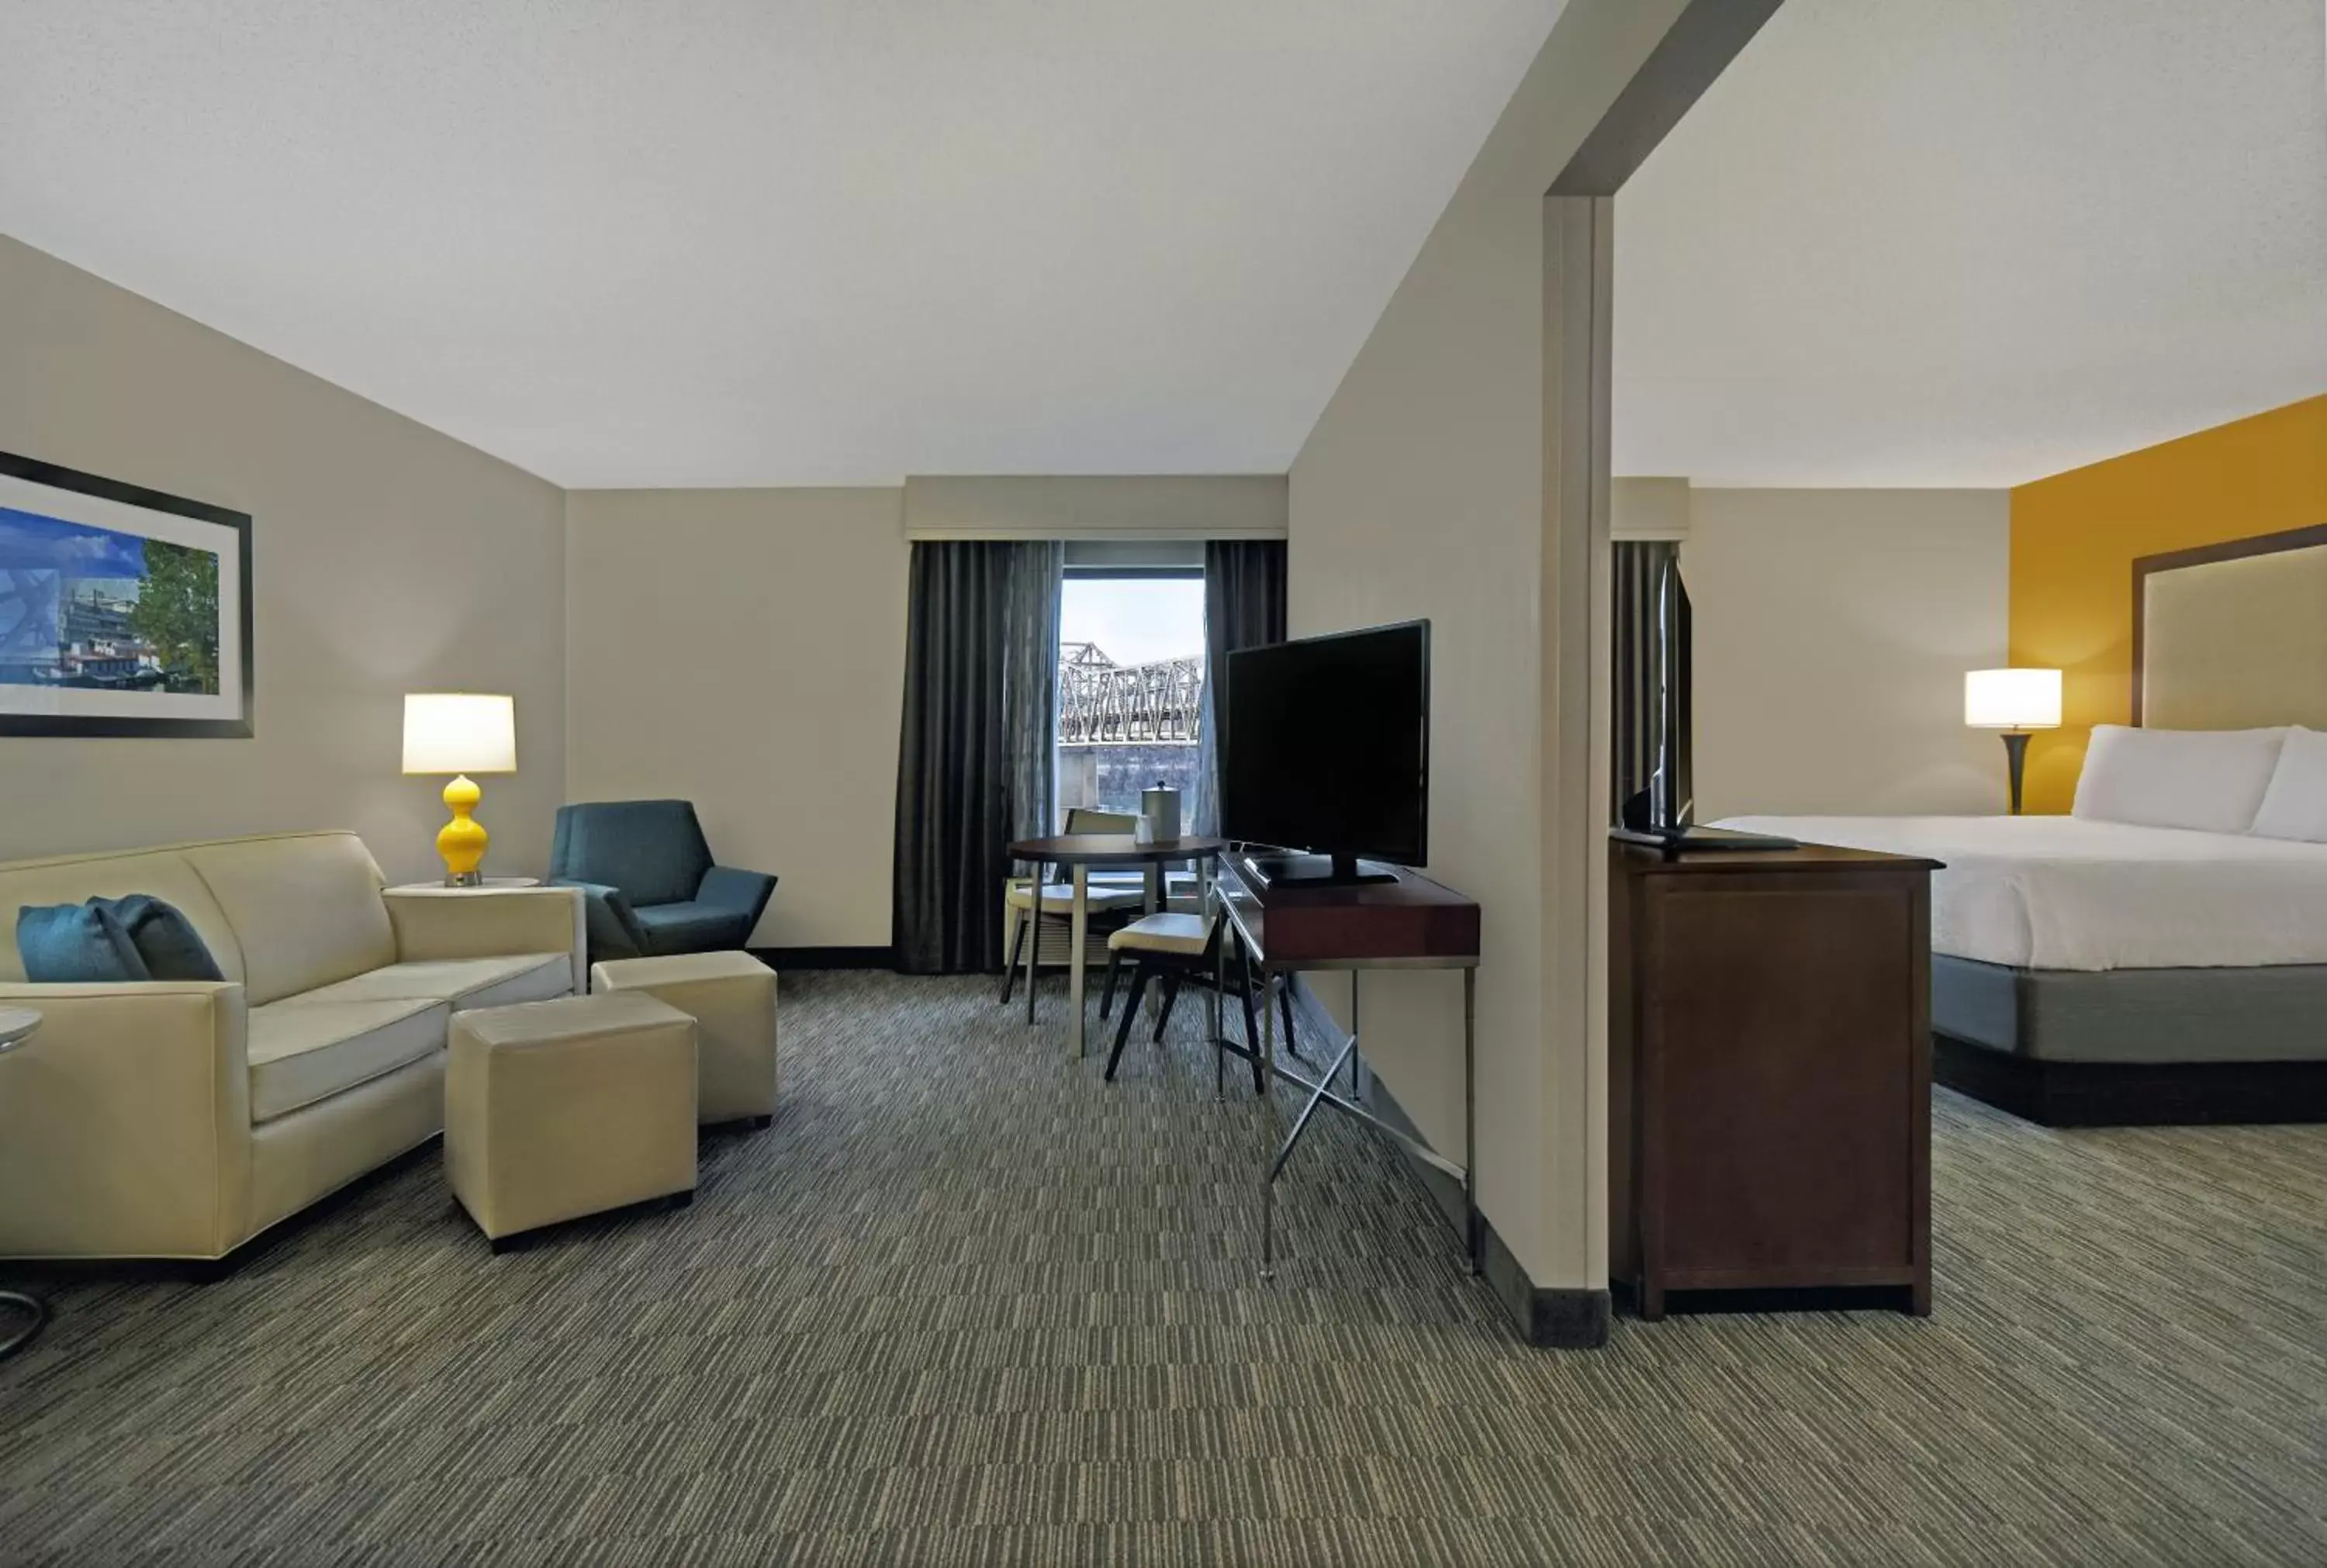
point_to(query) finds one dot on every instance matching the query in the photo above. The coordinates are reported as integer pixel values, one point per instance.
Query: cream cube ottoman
(557, 1109)
(731, 997)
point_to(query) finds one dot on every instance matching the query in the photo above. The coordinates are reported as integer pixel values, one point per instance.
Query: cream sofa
(179, 1119)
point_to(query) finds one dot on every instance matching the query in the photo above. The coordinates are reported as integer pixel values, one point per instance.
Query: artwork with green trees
(177, 613)
(124, 611)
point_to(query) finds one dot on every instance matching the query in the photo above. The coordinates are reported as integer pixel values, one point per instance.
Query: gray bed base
(2071, 1047)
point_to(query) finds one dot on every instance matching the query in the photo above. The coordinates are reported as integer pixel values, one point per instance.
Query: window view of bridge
(1102, 702)
(1125, 728)
(1131, 686)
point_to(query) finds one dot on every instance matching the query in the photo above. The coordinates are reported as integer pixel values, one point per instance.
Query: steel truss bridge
(1102, 702)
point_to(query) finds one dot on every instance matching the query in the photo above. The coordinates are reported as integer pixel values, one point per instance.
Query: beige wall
(1420, 492)
(1832, 630)
(1648, 508)
(388, 558)
(746, 650)
(1200, 506)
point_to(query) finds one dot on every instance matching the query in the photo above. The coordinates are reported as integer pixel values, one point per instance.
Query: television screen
(1325, 744)
(1676, 796)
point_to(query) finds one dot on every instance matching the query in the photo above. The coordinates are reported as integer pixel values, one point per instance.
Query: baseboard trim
(1550, 1319)
(782, 958)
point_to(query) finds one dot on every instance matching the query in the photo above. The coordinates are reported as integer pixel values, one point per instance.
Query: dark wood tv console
(1769, 1073)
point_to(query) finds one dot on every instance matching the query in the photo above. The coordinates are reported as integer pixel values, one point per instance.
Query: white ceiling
(711, 242)
(732, 242)
(1974, 242)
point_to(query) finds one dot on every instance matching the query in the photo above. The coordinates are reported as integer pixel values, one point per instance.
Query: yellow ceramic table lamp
(461, 733)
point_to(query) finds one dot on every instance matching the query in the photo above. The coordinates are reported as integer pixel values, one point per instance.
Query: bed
(2079, 967)
(2160, 955)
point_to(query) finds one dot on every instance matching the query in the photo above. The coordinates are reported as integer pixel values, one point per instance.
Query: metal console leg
(1285, 1152)
(1220, 981)
(1470, 1126)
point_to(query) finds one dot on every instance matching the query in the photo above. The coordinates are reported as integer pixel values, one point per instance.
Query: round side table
(16, 1027)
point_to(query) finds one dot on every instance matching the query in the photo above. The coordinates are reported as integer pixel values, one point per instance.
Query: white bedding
(2064, 892)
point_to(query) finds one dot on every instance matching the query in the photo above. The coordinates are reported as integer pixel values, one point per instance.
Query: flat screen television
(1663, 810)
(1325, 749)
(1671, 796)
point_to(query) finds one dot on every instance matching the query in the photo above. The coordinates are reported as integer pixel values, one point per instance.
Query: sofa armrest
(489, 923)
(744, 892)
(124, 1121)
(613, 930)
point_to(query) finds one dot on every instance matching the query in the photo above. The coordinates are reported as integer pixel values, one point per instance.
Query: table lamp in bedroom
(2015, 701)
(461, 733)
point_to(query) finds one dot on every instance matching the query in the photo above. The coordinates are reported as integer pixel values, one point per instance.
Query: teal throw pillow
(172, 949)
(76, 944)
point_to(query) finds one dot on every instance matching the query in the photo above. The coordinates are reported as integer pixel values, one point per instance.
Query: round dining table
(1078, 853)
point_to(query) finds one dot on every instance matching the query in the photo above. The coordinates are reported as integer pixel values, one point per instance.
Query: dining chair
(1175, 948)
(1056, 901)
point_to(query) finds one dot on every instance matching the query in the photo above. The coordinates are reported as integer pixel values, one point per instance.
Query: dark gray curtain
(973, 768)
(1030, 622)
(1640, 565)
(1244, 607)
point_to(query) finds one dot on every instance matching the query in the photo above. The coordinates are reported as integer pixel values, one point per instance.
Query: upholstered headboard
(2232, 636)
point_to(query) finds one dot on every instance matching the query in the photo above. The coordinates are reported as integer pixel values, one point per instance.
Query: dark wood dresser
(1769, 1073)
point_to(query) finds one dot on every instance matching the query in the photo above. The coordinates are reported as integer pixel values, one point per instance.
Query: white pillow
(2209, 780)
(2296, 804)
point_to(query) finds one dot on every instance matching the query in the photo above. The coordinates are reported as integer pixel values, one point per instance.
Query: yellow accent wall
(2076, 535)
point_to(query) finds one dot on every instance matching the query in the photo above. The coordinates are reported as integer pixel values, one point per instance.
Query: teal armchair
(648, 882)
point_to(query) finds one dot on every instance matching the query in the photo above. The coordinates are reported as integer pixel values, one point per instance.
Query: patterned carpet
(966, 1303)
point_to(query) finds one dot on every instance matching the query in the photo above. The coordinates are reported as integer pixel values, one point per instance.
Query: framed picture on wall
(123, 610)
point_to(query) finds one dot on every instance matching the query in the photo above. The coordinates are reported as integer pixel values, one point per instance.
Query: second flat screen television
(1325, 748)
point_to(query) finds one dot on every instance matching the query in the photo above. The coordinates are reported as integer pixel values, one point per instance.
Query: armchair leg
(1010, 970)
(1130, 1011)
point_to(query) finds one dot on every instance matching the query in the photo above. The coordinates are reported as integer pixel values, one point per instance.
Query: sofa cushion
(306, 907)
(305, 1052)
(675, 928)
(76, 945)
(463, 982)
(74, 879)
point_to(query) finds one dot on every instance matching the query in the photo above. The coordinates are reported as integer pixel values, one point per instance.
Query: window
(1131, 682)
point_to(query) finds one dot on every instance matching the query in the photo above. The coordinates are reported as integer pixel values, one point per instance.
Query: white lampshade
(2013, 699)
(459, 733)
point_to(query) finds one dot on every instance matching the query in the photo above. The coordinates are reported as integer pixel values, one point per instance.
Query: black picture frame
(242, 726)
